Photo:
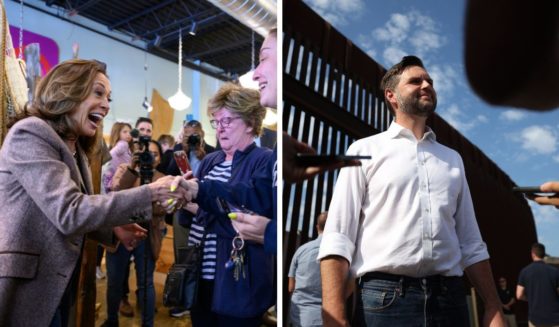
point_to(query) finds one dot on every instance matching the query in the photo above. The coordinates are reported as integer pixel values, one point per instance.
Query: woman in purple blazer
(47, 201)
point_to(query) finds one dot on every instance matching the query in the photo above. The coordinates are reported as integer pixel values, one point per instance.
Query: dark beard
(412, 106)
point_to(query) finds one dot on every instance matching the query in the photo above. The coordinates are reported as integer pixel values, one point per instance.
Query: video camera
(194, 140)
(146, 158)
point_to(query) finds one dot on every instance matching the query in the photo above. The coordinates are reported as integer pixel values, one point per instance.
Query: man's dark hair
(392, 77)
(143, 120)
(538, 250)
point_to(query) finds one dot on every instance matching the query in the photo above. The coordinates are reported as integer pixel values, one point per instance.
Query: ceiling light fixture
(180, 101)
(147, 106)
(192, 30)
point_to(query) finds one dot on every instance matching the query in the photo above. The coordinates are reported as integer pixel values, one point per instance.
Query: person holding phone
(237, 116)
(416, 233)
(46, 195)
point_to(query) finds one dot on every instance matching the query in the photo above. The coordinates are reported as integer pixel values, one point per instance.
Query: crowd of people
(46, 179)
(403, 259)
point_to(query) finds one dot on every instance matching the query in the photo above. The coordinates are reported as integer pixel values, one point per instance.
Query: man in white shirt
(403, 223)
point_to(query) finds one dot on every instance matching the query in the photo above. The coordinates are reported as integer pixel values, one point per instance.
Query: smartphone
(228, 207)
(182, 161)
(533, 190)
(306, 159)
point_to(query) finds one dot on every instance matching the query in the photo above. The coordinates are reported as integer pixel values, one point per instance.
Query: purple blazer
(46, 211)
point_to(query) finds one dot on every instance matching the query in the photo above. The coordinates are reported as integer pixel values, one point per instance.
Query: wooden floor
(162, 317)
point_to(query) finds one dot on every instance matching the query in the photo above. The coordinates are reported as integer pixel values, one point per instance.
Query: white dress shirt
(407, 211)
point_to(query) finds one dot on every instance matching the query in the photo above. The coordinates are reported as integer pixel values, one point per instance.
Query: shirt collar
(395, 130)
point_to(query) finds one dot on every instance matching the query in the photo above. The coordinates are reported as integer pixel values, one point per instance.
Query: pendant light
(147, 106)
(180, 101)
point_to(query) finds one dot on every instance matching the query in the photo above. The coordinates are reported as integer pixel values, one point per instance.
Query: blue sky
(524, 144)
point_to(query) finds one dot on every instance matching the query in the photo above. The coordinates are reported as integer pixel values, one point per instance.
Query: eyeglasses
(224, 122)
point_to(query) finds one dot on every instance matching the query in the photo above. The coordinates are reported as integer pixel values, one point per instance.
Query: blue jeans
(116, 271)
(394, 302)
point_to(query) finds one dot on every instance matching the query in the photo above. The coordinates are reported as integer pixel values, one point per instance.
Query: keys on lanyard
(237, 260)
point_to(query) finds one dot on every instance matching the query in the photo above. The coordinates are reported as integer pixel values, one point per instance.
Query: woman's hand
(162, 192)
(130, 235)
(187, 184)
(250, 227)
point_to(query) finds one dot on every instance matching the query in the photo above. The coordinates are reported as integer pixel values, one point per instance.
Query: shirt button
(425, 235)
(426, 210)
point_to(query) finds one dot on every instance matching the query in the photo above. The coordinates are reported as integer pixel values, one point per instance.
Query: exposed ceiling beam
(141, 13)
(86, 5)
(223, 47)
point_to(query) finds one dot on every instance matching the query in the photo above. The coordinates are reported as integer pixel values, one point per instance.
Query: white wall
(125, 67)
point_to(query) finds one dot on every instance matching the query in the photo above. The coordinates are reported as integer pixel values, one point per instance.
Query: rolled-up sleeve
(344, 213)
(472, 247)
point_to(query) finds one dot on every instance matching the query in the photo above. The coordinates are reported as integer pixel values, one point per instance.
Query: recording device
(194, 140)
(145, 157)
(182, 161)
(533, 190)
(146, 175)
(309, 160)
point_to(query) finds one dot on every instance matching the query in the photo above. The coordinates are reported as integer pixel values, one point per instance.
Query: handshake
(174, 192)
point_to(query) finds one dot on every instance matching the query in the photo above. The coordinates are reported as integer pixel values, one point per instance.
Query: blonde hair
(115, 133)
(241, 101)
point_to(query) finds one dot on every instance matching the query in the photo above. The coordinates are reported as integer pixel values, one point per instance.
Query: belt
(406, 281)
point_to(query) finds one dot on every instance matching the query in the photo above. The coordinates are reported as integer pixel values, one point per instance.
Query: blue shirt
(306, 300)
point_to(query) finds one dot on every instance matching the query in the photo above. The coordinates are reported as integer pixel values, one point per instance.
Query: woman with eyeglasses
(229, 296)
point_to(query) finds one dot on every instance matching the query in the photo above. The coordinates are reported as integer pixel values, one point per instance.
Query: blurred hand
(187, 184)
(549, 187)
(130, 235)
(294, 173)
(135, 162)
(161, 191)
(250, 227)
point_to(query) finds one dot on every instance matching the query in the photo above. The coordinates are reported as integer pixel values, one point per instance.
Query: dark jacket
(254, 294)
(259, 195)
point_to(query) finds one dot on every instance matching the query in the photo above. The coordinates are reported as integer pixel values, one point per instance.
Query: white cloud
(512, 115)
(444, 80)
(395, 31)
(482, 119)
(457, 119)
(556, 158)
(544, 214)
(393, 54)
(538, 139)
(411, 33)
(337, 12)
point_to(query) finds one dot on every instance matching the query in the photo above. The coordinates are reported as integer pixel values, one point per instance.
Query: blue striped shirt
(222, 173)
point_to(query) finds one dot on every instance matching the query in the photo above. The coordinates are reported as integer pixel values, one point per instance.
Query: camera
(194, 140)
(146, 158)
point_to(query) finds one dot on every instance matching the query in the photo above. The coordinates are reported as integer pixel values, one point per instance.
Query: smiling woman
(45, 190)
